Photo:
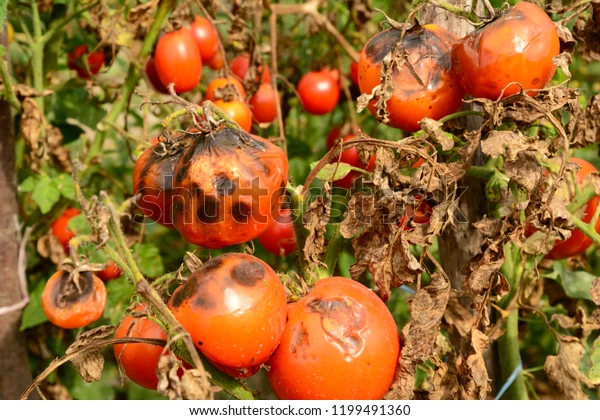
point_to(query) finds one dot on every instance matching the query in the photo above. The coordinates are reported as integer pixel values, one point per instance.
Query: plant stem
(37, 57)
(9, 93)
(581, 198)
(333, 250)
(298, 206)
(587, 230)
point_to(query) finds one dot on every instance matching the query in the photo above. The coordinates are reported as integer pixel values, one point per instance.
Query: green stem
(59, 25)
(333, 250)
(37, 58)
(9, 93)
(587, 229)
(471, 16)
(298, 206)
(581, 198)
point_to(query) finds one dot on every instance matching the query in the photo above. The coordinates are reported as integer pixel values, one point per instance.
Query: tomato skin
(429, 53)
(153, 77)
(517, 47)
(263, 105)
(139, 360)
(578, 242)
(111, 272)
(234, 307)
(65, 307)
(238, 111)
(217, 62)
(242, 372)
(279, 238)
(340, 342)
(206, 37)
(319, 92)
(240, 64)
(60, 230)
(177, 59)
(220, 83)
(95, 61)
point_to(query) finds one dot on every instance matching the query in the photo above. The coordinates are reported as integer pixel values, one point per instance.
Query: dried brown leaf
(510, 144)
(316, 217)
(595, 291)
(474, 378)
(550, 100)
(26, 91)
(90, 363)
(563, 369)
(587, 32)
(31, 128)
(459, 317)
(526, 172)
(587, 124)
(481, 268)
(434, 130)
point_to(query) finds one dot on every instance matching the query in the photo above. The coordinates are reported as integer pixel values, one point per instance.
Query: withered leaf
(567, 42)
(580, 321)
(481, 267)
(90, 363)
(509, 144)
(458, 316)
(26, 91)
(550, 100)
(562, 61)
(558, 217)
(526, 172)
(474, 378)
(434, 130)
(55, 391)
(316, 217)
(31, 125)
(563, 369)
(587, 32)
(595, 291)
(489, 228)
(587, 124)
(193, 385)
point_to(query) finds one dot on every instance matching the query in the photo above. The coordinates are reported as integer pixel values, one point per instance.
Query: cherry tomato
(436, 95)
(217, 62)
(60, 230)
(319, 92)
(75, 58)
(578, 242)
(517, 47)
(215, 89)
(340, 342)
(263, 104)
(238, 111)
(68, 306)
(421, 215)
(240, 64)
(112, 271)
(228, 188)
(206, 37)
(139, 360)
(279, 238)
(350, 157)
(153, 77)
(234, 307)
(177, 59)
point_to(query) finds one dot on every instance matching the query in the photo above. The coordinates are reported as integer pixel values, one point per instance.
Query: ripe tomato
(153, 77)
(263, 104)
(421, 215)
(238, 111)
(340, 342)
(349, 156)
(215, 88)
(112, 271)
(139, 360)
(279, 238)
(240, 64)
(217, 62)
(95, 61)
(578, 242)
(68, 307)
(177, 59)
(517, 47)
(153, 175)
(242, 372)
(60, 230)
(429, 54)
(234, 307)
(206, 37)
(228, 188)
(319, 92)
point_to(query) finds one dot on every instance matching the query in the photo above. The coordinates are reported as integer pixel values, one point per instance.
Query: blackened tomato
(319, 92)
(177, 59)
(206, 37)
(279, 238)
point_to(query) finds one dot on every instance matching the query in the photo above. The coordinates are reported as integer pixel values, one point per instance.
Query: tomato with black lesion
(73, 303)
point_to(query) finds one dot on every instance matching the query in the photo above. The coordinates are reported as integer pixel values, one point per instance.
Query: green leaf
(66, 186)
(79, 225)
(3, 6)
(595, 356)
(28, 184)
(119, 292)
(149, 260)
(45, 193)
(333, 171)
(73, 101)
(34, 314)
(577, 284)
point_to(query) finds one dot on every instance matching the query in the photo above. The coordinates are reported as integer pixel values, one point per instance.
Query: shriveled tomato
(262, 104)
(238, 111)
(435, 95)
(517, 47)
(340, 342)
(94, 60)
(319, 92)
(70, 306)
(240, 64)
(206, 37)
(578, 242)
(60, 230)
(279, 238)
(227, 88)
(153, 175)
(217, 62)
(228, 188)
(234, 307)
(139, 360)
(177, 59)
(112, 271)
(153, 77)
(350, 157)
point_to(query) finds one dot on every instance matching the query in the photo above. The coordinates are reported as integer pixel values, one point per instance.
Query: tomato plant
(319, 92)
(177, 60)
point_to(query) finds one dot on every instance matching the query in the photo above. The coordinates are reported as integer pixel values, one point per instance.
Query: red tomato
(517, 47)
(139, 360)
(438, 95)
(242, 372)
(421, 215)
(340, 342)
(319, 92)
(578, 242)
(238, 111)
(279, 238)
(60, 230)
(112, 271)
(217, 62)
(153, 77)
(206, 37)
(234, 307)
(177, 59)
(349, 156)
(263, 104)
(214, 90)
(95, 61)
(240, 64)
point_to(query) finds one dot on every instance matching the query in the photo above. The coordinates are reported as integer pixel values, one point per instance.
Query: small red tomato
(60, 230)
(240, 64)
(177, 59)
(279, 238)
(95, 61)
(234, 307)
(263, 104)
(517, 47)
(319, 92)
(153, 77)
(112, 271)
(139, 360)
(421, 215)
(350, 157)
(340, 342)
(217, 62)
(238, 111)
(215, 89)
(206, 37)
